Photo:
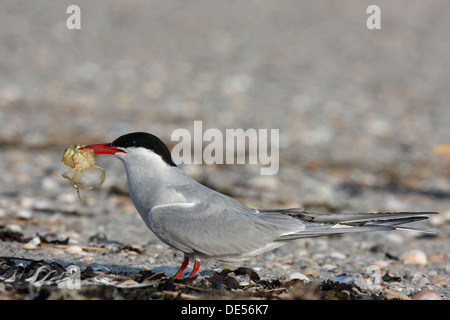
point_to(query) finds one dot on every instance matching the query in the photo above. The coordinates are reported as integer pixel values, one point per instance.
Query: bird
(203, 223)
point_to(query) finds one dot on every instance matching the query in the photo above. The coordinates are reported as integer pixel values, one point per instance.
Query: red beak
(103, 148)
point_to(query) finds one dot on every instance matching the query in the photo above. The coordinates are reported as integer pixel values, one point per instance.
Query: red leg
(183, 266)
(195, 269)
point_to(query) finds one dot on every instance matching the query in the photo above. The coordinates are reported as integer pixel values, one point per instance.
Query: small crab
(80, 159)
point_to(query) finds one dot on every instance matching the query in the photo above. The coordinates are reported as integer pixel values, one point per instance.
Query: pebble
(29, 246)
(49, 185)
(440, 219)
(382, 264)
(35, 241)
(393, 238)
(297, 275)
(243, 283)
(74, 249)
(330, 267)
(337, 255)
(88, 259)
(420, 279)
(440, 279)
(342, 279)
(436, 258)
(206, 273)
(41, 205)
(311, 272)
(414, 257)
(22, 214)
(447, 268)
(14, 228)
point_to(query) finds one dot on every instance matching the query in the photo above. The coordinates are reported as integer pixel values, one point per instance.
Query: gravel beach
(358, 112)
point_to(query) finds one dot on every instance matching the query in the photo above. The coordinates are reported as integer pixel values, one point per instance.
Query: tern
(206, 224)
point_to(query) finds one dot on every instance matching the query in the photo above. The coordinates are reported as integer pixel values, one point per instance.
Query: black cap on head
(145, 140)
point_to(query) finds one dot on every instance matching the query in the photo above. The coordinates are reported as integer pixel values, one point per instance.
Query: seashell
(414, 257)
(392, 294)
(427, 295)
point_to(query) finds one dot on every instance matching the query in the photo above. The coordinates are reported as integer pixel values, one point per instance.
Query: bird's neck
(152, 184)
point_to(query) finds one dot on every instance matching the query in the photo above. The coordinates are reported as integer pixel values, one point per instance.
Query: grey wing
(222, 233)
(231, 232)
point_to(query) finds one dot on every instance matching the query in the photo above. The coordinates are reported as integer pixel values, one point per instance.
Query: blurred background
(358, 110)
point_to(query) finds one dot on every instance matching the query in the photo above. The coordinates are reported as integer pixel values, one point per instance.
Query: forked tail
(317, 224)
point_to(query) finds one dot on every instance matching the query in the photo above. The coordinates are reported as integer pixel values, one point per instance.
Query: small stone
(343, 279)
(41, 205)
(447, 268)
(23, 214)
(442, 280)
(414, 257)
(74, 249)
(436, 258)
(35, 241)
(88, 259)
(337, 255)
(330, 267)
(420, 279)
(29, 246)
(243, 283)
(206, 273)
(49, 185)
(128, 283)
(311, 272)
(393, 238)
(440, 219)
(297, 275)
(14, 228)
(382, 264)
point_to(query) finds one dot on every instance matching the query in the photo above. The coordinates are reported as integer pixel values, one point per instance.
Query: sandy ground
(358, 112)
